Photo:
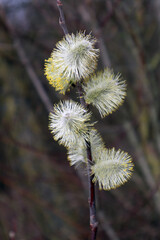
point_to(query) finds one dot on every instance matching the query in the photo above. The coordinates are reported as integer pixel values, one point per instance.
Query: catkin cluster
(74, 60)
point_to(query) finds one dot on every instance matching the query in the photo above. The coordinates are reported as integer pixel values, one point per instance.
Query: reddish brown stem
(92, 200)
(92, 205)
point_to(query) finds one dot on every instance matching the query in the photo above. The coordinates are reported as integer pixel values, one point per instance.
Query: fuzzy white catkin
(69, 123)
(73, 59)
(106, 91)
(78, 154)
(112, 169)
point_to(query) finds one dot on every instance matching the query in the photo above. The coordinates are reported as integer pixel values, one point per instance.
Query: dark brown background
(41, 196)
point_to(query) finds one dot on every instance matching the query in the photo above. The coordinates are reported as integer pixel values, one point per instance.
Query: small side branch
(62, 18)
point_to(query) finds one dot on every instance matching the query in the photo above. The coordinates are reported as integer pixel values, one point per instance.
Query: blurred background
(41, 196)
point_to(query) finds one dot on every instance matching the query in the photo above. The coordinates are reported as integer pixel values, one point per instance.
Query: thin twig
(92, 204)
(62, 18)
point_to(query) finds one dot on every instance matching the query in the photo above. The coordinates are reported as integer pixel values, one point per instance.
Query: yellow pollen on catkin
(55, 79)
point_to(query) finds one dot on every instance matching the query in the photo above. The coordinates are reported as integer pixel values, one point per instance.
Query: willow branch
(92, 204)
